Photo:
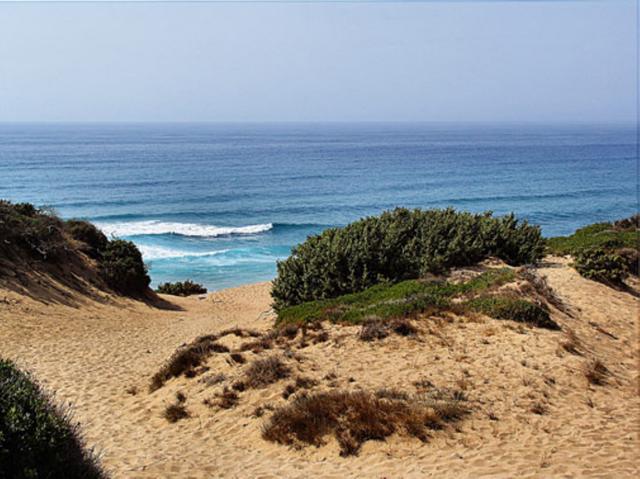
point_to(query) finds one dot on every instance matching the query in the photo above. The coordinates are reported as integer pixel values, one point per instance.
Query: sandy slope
(95, 355)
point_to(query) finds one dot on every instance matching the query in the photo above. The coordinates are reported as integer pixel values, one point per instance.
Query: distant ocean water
(219, 204)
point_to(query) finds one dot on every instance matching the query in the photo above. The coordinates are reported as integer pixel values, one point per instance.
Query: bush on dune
(38, 439)
(93, 239)
(27, 229)
(181, 288)
(398, 245)
(123, 269)
(602, 266)
(605, 252)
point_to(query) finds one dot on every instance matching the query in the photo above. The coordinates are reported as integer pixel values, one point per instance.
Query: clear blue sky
(431, 61)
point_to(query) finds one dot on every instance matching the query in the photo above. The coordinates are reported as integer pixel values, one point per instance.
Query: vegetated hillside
(39, 252)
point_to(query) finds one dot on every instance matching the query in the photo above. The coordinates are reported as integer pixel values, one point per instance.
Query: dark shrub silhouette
(37, 438)
(181, 288)
(122, 268)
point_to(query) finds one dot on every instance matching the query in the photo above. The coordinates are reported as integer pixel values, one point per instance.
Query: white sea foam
(137, 228)
(158, 252)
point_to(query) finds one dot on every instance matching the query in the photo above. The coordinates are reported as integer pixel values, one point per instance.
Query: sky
(450, 61)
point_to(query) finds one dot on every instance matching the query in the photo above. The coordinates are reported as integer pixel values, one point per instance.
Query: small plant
(38, 438)
(600, 265)
(228, 398)
(175, 412)
(373, 329)
(186, 359)
(123, 269)
(181, 288)
(263, 372)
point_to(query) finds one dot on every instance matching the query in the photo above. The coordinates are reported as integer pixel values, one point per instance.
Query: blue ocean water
(220, 203)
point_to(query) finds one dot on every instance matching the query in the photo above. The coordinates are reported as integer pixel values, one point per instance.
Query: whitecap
(138, 228)
(159, 252)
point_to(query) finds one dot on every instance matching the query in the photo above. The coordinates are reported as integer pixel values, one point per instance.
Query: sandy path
(92, 355)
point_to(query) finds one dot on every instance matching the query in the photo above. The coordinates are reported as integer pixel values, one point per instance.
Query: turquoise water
(221, 203)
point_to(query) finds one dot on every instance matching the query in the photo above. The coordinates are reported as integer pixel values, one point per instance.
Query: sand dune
(101, 356)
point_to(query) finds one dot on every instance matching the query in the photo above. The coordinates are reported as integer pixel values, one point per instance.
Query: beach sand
(100, 358)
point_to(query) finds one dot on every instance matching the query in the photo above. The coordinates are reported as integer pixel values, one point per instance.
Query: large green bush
(38, 439)
(397, 245)
(601, 265)
(123, 269)
(94, 241)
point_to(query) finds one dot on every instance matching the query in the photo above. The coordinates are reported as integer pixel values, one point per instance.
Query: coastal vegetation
(39, 439)
(29, 233)
(181, 288)
(408, 299)
(354, 417)
(399, 245)
(607, 252)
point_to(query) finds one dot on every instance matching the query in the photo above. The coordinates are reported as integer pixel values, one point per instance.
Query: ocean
(221, 203)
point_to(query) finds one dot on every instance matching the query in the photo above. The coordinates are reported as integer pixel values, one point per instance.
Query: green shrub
(38, 439)
(631, 259)
(599, 235)
(94, 240)
(385, 302)
(181, 288)
(123, 269)
(399, 245)
(518, 310)
(601, 265)
(27, 229)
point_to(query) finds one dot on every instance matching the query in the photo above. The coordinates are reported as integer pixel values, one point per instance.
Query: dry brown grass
(263, 372)
(596, 372)
(540, 285)
(354, 417)
(227, 398)
(375, 328)
(186, 359)
(571, 343)
(175, 412)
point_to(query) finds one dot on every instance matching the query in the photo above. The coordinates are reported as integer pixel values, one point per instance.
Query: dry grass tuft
(175, 412)
(227, 399)
(403, 327)
(538, 408)
(263, 372)
(373, 329)
(186, 359)
(541, 286)
(354, 417)
(596, 372)
(571, 343)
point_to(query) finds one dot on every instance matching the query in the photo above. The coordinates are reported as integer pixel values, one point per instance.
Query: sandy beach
(100, 356)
